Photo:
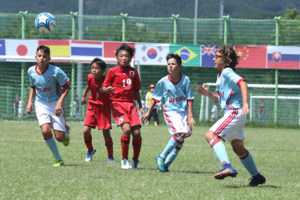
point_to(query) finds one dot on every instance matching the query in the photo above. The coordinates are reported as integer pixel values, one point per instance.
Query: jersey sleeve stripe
(240, 81)
(67, 83)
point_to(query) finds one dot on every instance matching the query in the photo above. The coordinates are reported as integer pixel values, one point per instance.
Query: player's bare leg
(109, 145)
(49, 140)
(88, 142)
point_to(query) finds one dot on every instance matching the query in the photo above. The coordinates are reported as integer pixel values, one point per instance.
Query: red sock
(88, 142)
(125, 146)
(109, 147)
(136, 144)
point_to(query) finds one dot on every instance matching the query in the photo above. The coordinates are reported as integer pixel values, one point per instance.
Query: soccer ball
(45, 22)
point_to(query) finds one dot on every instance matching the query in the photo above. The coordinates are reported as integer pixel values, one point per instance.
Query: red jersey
(97, 97)
(125, 81)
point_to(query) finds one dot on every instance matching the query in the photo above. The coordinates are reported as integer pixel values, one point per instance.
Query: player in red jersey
(123, 83)
(98, 111)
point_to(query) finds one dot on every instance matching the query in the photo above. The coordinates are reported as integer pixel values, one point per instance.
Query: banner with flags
(190, 54)
(276, 57)
(283, 57)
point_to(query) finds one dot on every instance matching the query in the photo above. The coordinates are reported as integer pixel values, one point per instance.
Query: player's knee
(210, 136)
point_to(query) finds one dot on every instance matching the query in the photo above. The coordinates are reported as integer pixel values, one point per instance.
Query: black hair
(175, 56)
(231, 59)
(127, 48)
(44, 49)
(99, 62)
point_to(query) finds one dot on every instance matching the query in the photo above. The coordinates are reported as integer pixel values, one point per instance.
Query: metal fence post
(225, 18)
(74, 15)
(23, 14)
(175, 17)
(276, 72)
(123, 26)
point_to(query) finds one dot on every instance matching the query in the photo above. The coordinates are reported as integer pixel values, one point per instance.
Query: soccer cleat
(67, 140)
(89, 155)
(111, 159)
(58, 163)
(223, 173)
(125, 164)
(147, 124)
(160, 163)
(256, 180)
(155, 124)
(134, 163)
(167, 169)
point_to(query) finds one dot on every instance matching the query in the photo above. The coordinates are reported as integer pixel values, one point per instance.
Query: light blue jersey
(48, 84)
(175, 95)
(228, 89)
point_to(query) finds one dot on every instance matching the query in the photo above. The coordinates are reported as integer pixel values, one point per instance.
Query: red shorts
(97, 115)
(125, 112)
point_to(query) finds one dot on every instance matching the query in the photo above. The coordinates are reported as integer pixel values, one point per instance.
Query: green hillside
(254, 9)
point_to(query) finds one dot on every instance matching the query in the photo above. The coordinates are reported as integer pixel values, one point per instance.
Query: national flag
(86, 48)
(207, 55)
(283, 57)
(251, 56)
(190, 54)
(57, 47)
(152, 53)
(111, 47)
(2, 47)
(20, 47)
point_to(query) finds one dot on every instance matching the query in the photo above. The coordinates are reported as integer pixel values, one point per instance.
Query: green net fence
(159, 30)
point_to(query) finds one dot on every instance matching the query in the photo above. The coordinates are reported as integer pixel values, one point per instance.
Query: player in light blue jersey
(176, 91)
(232, 94)
(50, 85)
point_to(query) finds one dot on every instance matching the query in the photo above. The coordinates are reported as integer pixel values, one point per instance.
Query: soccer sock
(88, 142)
(171, 145)
(249, 164)
(52, 146)
(220, 152)
(262, 118)
(136, 144)
(173, 154)
(125, 146)
(109, 147)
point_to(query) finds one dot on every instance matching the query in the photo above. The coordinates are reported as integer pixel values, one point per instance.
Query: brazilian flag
(190, 54)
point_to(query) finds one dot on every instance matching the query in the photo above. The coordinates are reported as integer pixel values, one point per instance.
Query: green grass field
(27, 172)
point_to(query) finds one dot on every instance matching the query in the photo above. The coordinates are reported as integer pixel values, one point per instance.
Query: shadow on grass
(247, 186)
(177, 171)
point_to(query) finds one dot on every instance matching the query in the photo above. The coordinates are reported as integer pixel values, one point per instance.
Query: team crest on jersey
(120, 120)
(183, 87)
(48, 79)
(33, 80)
(131, 74)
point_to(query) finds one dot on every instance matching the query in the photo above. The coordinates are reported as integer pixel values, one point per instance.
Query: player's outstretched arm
(29, 106)
(83, 101)
(58, 108)
(138, 98)
(191, 120)
(108, 89)
(244, 91)
(146, 115)
(205, 92)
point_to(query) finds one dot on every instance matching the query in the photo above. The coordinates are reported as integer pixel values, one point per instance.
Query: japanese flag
(21, 47)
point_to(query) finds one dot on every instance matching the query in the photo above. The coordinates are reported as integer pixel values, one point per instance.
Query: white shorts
(45, 113)
(231, 126)
(177, 122)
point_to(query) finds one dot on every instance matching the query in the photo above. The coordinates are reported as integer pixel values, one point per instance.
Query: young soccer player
(98, 110)
(232, 94)
(178, 97)
(123, 83)
(261, 112)
(46, 82)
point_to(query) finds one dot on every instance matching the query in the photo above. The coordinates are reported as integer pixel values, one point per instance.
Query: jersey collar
(42, 72)
(169, 77)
